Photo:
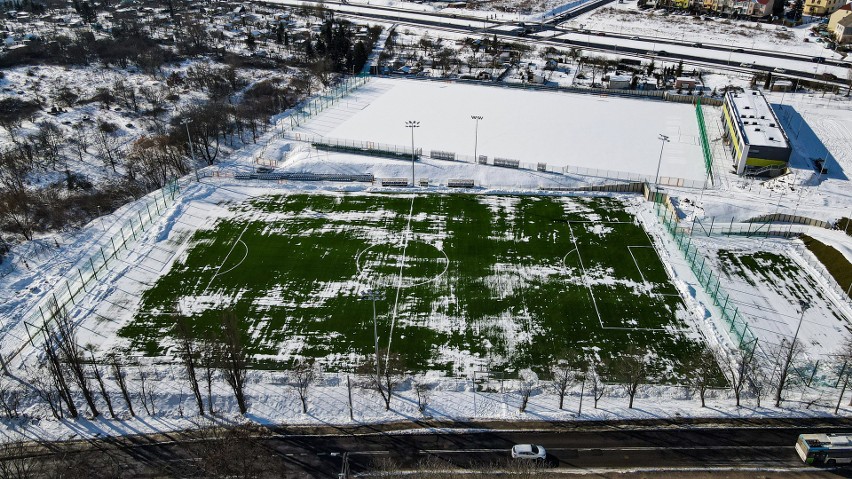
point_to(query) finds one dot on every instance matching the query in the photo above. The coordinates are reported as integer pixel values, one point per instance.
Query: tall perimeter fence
(738, 329)
(705, 142)
(315, 105)
(82, 277)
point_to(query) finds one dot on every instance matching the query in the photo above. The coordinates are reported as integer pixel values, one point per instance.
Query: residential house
(762, 8)
(843, 30)
(844, 11)
(822, 7)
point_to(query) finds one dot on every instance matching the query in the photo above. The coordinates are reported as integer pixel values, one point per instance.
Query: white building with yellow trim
(758, 143)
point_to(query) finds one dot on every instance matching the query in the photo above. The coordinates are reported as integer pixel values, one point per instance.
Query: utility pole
(664, 139)
(412, 124)
(191, 149)
(476, 118)
(373, 295)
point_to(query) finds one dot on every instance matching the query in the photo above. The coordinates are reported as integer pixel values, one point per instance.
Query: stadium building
(758, 143)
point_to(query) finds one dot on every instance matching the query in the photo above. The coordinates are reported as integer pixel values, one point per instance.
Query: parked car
(528, 451)
(697, 44)
(779, 70)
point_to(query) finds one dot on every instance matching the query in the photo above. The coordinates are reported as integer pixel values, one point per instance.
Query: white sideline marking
(589, 285)
(399, 282)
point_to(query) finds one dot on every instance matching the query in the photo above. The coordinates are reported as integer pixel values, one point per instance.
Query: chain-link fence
(82, 277)
(314, 105)
(737, 328)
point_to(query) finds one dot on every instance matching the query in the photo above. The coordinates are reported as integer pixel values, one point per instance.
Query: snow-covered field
(560, 129)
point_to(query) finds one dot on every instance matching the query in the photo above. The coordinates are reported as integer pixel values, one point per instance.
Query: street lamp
(191, 149)
(374, 295)
(476, 118)
(412, 124)
(664, 139)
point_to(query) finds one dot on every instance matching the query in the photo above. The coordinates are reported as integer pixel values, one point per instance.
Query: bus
(825, 449)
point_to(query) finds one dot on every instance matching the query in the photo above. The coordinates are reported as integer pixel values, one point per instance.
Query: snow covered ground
(560, 129)
(827, 197)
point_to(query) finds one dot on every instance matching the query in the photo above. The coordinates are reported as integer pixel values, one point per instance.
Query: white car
(779, 70)
(528, 451)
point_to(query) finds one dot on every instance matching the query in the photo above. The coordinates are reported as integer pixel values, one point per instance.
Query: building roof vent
(771, 138)
(754, 93)
(757, 129)
(747, 107)
(762, 117)
(772, 125)
(751, 116)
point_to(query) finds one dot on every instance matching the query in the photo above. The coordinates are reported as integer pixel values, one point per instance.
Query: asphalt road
(763, 449)
(449, 22)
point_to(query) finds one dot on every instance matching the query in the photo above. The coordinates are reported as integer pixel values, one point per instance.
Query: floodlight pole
(373, 295)
(664, 139)
(476, 118)
(805, 307)
(191, 149)
(412, 124)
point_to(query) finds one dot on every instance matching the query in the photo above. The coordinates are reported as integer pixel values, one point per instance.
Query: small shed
(686, 83)
(620, 82)
(782, 85)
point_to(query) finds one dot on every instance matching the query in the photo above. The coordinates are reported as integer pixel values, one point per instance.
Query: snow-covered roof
(760, 125)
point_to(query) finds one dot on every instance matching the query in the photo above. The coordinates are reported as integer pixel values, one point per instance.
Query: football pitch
(459, 281)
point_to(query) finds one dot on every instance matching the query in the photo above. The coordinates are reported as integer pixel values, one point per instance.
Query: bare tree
(49, 139)
(844, 354)
(563, 376)
(527, 382)
(596, 382)
(107, 144)
(737, 367)
(57, 370)
(45, 388)
(702, 372)
(186, 352)
(302, 377)
(120, 378)
(100, 380)
(234, 358)
(789, 354)
(147, 392)
(423, 390)
(209, 359)
(631, 369)
(65, 332)
(10, 398)
(17, 461)
(385, 377)
(80, 140)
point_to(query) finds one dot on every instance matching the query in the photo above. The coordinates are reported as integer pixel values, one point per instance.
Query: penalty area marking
(588, 284)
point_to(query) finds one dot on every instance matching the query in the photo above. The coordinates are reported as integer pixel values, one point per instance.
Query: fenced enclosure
(82, 276)
(738, 329)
